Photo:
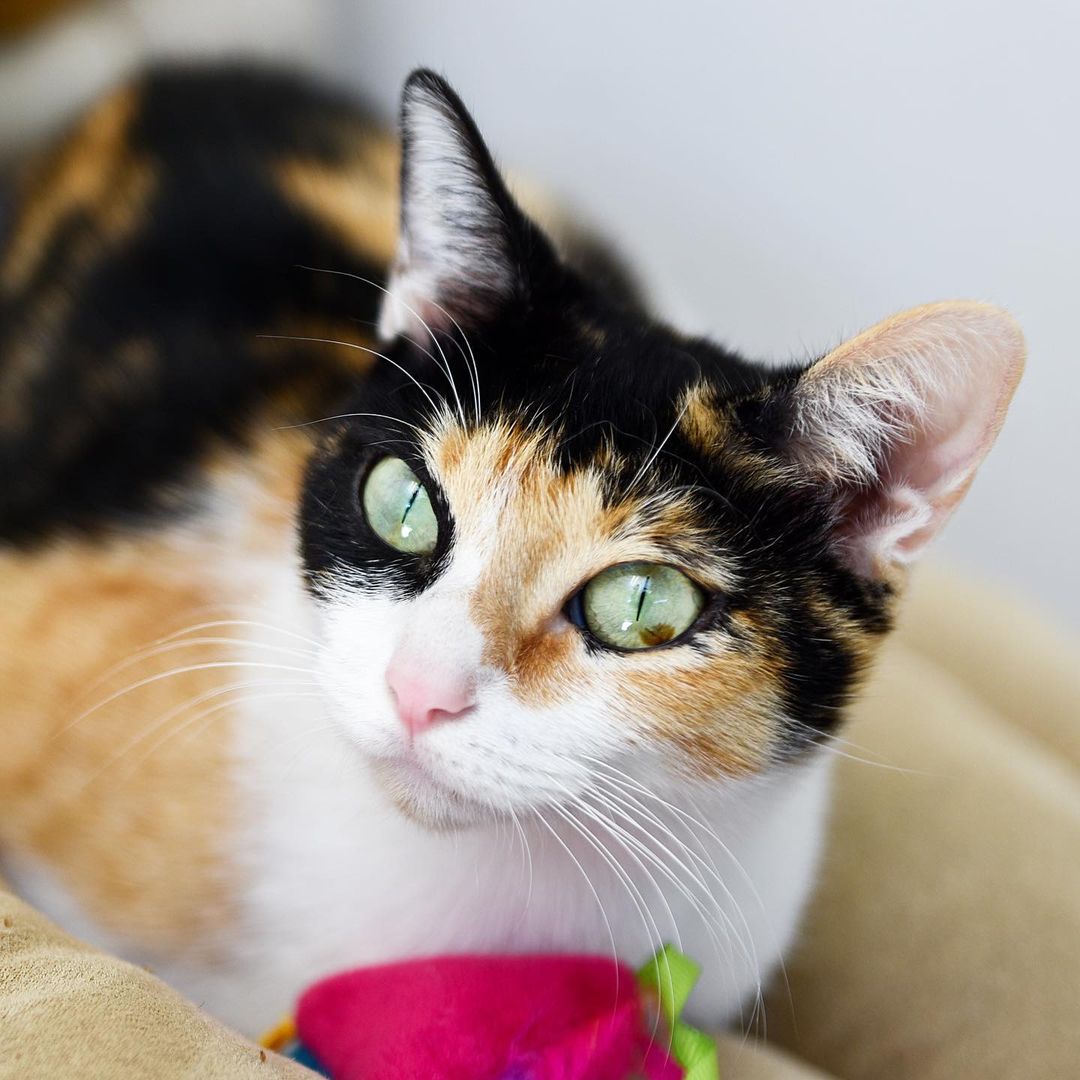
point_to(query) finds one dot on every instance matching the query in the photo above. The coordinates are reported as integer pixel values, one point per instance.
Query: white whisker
(656, 453)
(198, 642)
(629, 785)
(363, 348)
(216, 623)
(622, 810)
(526, 850)
(470, 359)
(210, 666)
(164, 720)
(350, 416)
(445, 365)
(652, 930)
(588, 882)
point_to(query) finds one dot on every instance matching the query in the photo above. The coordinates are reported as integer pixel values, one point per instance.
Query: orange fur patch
(138, 841)
(720, 712)
(356, 202)
(123, 790)
(703, 424)
(17, 16)
(93, 173)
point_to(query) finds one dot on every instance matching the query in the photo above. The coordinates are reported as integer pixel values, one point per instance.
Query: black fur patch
(215, 263)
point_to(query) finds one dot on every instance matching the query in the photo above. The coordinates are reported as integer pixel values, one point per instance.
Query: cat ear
(458, 248)
(897, 421)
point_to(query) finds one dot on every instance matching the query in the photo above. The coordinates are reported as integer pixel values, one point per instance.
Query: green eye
(638, 605)
(398, 508)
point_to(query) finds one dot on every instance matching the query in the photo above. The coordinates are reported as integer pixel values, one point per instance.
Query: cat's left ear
(464, 247)
(895, 423)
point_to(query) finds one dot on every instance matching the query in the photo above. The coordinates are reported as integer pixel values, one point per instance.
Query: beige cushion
(944, 939)
(67, 1011)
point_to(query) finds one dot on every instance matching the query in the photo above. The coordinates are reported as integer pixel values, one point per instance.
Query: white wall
(789, 172)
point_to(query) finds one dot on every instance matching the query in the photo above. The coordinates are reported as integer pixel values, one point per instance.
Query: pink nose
(425, 698)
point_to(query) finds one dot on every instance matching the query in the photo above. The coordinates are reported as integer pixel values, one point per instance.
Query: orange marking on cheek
(548, 667)
(720, 715)
(534, 524)
(543, 533)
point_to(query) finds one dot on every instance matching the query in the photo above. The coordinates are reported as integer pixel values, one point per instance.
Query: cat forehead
(580, 359)
(514, 493)
(634, 376)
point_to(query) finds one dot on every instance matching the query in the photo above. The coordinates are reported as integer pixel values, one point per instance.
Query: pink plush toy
(502, 1018)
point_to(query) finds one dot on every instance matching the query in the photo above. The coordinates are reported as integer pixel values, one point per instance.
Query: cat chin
(426, 801)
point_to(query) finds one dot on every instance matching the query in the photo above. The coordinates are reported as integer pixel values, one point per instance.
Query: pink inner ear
(914, 404)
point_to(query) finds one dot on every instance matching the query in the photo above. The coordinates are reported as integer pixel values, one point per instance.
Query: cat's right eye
(398, 508)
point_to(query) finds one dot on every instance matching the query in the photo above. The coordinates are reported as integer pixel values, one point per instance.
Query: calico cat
(381, 579)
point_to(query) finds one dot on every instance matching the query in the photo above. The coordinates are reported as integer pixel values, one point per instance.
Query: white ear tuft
(455, 252)
(898, 419)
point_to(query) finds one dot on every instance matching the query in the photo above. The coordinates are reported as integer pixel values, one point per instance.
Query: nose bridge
(518, 537)
(499, 610)
(520, 588)
(440, 635)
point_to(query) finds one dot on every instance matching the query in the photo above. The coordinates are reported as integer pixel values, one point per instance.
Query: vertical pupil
(409, 504)
(645, 584)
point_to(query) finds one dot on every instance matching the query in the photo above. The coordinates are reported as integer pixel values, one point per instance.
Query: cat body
(252, 736)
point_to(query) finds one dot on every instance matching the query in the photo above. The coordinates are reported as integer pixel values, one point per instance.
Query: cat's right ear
(464, 247)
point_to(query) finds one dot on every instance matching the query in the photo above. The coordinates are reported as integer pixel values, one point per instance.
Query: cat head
(558, 545)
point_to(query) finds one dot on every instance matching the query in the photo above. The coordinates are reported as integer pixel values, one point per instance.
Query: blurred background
(781, 173)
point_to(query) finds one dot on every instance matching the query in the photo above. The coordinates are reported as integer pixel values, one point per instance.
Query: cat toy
(502, 1018)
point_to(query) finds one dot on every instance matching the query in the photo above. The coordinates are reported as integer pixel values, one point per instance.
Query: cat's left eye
(637, 605)
(398, 508)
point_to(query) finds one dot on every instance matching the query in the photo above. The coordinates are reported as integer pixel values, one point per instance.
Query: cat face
(554, 542)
